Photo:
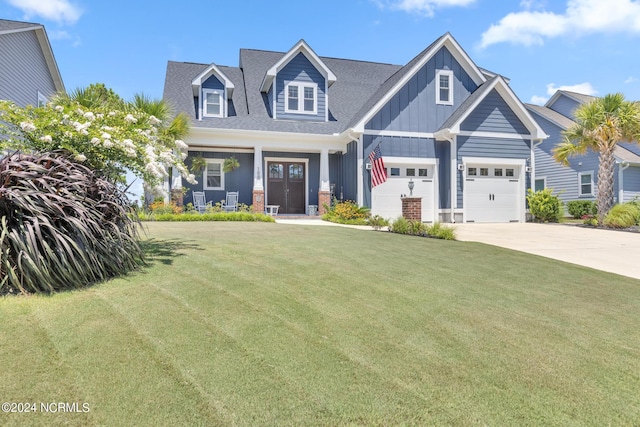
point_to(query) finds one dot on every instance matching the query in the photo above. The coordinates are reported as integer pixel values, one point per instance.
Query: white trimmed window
(444, 87)
(212, 105)
(42, 100)
(302, 98)
(585, 184)
(213, 177)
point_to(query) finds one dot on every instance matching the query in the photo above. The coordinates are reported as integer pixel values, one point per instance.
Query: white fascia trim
(458, 53)
(197, 148)
(504, 135)
(399, 133)
(196, 83)
(50, 59)
(300, 47)
(299, 142)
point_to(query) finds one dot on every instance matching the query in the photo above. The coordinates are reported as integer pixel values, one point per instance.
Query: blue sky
(588, 46)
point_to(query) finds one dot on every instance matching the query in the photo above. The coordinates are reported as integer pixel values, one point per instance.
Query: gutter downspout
(621, 168)
(359, 165)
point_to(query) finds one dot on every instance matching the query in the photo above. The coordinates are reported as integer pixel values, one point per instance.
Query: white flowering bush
(108, 140)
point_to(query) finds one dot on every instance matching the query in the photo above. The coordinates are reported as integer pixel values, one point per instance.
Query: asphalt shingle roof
(7, 25)
(551, 115)
(356, 83)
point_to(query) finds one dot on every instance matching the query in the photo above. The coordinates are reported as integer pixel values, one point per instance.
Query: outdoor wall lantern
(411, 184)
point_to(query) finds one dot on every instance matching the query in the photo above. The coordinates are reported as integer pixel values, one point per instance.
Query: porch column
(258, 186)
(454, 178)
(324, 193)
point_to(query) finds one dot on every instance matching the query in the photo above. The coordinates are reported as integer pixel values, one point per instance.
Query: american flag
(378, 172)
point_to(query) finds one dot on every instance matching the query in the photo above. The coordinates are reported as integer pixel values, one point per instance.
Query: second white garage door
(385, 198)
(493, 193)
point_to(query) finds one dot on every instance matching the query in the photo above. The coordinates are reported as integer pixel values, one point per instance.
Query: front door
(286, 186)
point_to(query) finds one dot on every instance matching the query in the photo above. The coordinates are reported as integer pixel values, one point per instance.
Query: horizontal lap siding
(23, 69)
(413, 108)
(493, 114)
(562, 179)
(631, 177)
(299, 69)
(501, 148)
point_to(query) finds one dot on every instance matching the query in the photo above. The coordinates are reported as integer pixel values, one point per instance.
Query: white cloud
(585, 88)
(539, 100)
(422, 7)
(61, 11)
(631, 79)
(580, 17)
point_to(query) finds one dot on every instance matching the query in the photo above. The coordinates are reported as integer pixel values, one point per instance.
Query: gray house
(29, 73)
(578, 181)
(302, 127)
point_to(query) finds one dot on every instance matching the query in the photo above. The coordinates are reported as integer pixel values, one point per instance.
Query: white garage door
(385, 198)
(493, 193)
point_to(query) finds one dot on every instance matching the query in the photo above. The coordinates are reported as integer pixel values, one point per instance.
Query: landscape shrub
(209, 216)
(622, 216)
(346, 212)
(544, 206)
(579, 209)
(62, 226)
(159, 207)
(417, 228)
(377, 222)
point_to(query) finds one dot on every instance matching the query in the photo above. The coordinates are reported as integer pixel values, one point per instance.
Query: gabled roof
(9, 27)
(452, 125)
(399, 79)
(625, 155)
(551, 115)
(300, 47)
(212, 69)
(578, 97)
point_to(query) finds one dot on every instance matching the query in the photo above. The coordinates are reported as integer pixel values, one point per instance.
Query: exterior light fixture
(411, 185)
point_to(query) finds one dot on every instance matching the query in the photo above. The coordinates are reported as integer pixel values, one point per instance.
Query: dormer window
(444, 87)
(212, 103)
(302, 98)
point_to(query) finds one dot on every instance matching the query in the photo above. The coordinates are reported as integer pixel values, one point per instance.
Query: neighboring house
(578, 181)
(29, 73)
(303, 126)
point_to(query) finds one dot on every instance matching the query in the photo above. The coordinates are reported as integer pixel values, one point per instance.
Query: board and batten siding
(565, 106)
(300, 69)
(562, 179)
(414, 107)
(493, 114)
(493, 148)
(23, 69)
(350, 172)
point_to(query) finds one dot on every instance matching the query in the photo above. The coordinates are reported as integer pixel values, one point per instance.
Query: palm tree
(600, 126)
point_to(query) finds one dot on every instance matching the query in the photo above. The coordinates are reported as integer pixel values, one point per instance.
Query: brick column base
(412, 208)
(324, 198)
(258, 201)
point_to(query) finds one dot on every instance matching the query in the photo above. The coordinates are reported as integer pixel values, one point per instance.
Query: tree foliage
(97, 128)
(600, 126)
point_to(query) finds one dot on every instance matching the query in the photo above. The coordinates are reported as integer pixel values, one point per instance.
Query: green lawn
(270, 324)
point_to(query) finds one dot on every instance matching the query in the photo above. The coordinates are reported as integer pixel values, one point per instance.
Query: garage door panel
(385, 198)
(491, 195)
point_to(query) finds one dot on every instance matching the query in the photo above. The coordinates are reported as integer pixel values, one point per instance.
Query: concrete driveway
(613, 251)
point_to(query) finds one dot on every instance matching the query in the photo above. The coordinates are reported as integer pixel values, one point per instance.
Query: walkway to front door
(286, 186)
